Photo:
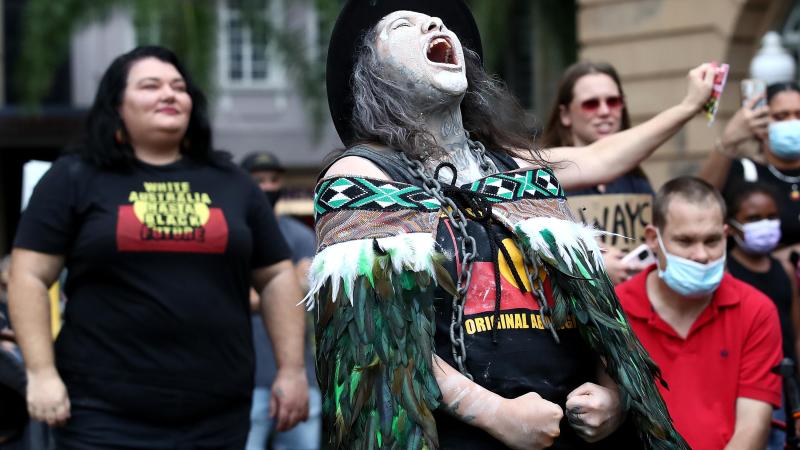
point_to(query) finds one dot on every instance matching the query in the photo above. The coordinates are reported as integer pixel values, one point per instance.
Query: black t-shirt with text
(159, 262)
(516, 353)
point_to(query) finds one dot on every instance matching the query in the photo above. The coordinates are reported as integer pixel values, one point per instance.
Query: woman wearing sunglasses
(590, 105)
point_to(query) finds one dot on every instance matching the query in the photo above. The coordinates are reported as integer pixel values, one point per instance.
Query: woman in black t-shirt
(162, 239)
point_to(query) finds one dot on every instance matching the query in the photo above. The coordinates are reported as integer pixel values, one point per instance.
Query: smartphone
(752, 87)
(641, 256)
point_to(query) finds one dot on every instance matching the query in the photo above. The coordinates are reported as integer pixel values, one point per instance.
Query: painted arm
(753, 419)
(285, 323)
(615, 155)
(594, 410)
(32, 273)
(355, 165)
(527, 422)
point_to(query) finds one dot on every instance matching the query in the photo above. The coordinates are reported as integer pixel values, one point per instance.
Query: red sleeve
(761, 352)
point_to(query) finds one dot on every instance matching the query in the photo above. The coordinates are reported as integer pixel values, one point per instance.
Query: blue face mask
(690, 278)
(784, 139)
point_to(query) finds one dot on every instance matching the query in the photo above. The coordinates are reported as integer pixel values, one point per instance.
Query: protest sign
(625, 215)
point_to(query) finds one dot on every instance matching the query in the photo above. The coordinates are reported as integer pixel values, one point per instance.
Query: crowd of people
(456, 302)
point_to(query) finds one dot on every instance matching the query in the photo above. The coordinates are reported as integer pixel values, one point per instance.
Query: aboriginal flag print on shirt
(513, 352)
(171, 217)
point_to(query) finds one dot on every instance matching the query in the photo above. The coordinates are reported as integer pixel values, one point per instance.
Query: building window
(246, 57)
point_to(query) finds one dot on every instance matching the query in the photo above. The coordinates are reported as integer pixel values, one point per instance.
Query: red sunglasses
(593, 104)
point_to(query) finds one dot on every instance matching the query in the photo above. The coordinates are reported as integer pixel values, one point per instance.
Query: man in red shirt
(714, 337)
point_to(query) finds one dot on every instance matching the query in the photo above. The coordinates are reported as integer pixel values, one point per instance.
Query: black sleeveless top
(514, 358)
(776, 285)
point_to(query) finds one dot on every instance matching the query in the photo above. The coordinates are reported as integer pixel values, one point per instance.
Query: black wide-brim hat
(358, 17)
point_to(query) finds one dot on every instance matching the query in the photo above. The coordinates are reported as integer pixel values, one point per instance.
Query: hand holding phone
(753, 88)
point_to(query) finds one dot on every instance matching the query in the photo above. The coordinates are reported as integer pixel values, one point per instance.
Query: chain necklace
(795, 194)
(487, 165)
(468, 250)
(468, 246)
(781, 176)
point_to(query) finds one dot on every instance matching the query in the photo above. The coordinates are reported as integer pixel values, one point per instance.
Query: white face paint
(421, 53)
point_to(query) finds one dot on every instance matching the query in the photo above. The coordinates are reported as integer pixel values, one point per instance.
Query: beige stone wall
(654, 43)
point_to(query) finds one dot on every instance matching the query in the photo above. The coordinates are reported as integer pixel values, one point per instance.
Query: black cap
(262, 161)
(358, 17)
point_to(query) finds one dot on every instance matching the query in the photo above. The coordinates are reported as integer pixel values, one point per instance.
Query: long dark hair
(555, 133)
(490, 113)
(99, 145)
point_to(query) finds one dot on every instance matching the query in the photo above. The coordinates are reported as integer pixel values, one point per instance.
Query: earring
(119, 137)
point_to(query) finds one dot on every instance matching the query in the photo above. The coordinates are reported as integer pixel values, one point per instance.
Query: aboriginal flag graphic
(170, 217)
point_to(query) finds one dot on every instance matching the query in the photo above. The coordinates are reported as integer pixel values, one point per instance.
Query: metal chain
(487, 165)
(534, 279)
(537, 288)
(468, 251)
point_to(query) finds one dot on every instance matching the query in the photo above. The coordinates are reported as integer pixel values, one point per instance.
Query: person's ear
(651, 238)
(564, 116)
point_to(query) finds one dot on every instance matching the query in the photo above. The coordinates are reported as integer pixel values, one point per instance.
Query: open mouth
(441, 51)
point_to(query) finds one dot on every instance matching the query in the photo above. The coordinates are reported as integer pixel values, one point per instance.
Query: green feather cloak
(373, 283)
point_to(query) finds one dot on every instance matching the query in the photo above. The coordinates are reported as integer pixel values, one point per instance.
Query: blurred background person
(13, 413)
(162, 239)
(755, 225)
(715, 338)
(7, 339)
(776, 127)
(590, 105)
(268, 173)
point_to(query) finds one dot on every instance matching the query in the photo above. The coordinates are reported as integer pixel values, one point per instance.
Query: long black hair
(102, 148)
(490, 113)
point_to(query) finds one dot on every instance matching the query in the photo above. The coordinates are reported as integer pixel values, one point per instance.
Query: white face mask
(690, 278)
